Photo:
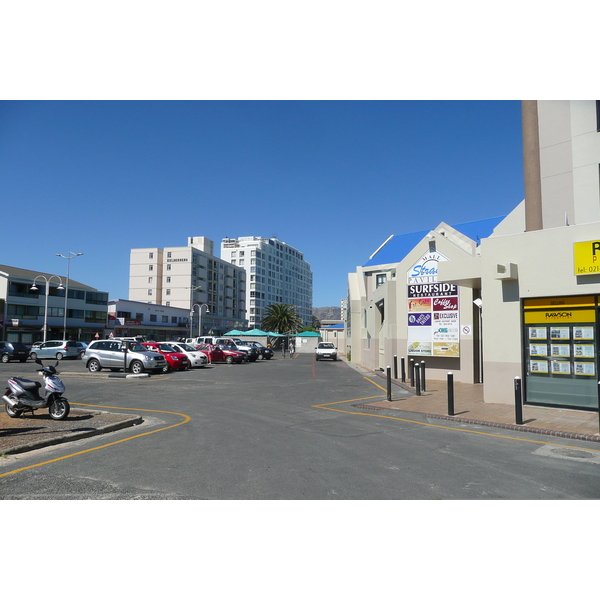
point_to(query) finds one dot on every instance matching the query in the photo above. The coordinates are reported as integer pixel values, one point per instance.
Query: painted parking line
(186, 419)
(495, 435)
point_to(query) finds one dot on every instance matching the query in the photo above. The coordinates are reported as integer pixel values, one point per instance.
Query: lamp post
(192, 290)
(72, 255)
(199, 317)
(34, 288)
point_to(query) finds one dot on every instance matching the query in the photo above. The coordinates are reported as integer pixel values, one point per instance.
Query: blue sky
(332, 178)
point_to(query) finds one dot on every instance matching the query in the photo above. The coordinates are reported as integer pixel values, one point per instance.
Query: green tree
(281, 318)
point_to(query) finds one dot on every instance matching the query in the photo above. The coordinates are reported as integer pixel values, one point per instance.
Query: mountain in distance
(328, 313)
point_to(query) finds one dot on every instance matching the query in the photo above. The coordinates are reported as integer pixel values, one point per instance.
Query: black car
(13, 351)
(265, 353)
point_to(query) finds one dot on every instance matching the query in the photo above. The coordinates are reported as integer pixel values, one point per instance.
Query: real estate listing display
(560, 351)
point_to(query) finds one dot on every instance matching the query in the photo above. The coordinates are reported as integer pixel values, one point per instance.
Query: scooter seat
(27, 384)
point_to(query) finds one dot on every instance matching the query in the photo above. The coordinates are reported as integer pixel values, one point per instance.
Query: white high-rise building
(276, 274)
(191, 277)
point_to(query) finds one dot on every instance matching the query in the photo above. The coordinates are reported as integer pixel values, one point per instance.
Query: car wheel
(33, 356)
(5, 358)
(229, 359)
(81, 354)
(166, 368)
(94, 366)
(136, 367)
(59, 356)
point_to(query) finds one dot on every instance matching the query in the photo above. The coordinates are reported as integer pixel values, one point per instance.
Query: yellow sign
(586, 257)
(560, 315)
(573, 301)
(446, 349)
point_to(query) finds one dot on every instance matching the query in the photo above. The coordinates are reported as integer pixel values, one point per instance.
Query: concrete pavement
(469, 407)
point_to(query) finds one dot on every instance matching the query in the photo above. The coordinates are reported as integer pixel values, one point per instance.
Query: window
(165, 319)
(174, 320)
(380, 279)
(150, 267)
(149, 292)
(151, 255)
(96, 298)
(150, 279)
(153, 318)
(168, 280)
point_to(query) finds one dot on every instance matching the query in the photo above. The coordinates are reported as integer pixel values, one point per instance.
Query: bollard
(411, 372)
(395, 367)
(450, 394)
(518, 402)
(418, 380)
(403, 369)
(389, 384)
(423, 375)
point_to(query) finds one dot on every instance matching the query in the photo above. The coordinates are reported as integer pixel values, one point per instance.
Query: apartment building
(276, 273)
(191, 277)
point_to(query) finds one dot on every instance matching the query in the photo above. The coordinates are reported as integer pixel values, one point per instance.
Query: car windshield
(325, 345)
(187, 348)
(165, 348)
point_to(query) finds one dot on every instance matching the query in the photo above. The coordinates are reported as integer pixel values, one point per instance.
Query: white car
(325, 350)
(197, 358)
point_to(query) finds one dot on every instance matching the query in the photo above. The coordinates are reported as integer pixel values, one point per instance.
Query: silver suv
(111, 355)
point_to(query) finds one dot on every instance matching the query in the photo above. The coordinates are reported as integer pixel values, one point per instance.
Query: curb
(525, 428)
(71, 437)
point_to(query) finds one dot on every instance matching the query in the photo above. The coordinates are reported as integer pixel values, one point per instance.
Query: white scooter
(23, 395)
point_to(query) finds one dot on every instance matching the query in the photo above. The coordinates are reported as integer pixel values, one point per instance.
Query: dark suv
(13, 351)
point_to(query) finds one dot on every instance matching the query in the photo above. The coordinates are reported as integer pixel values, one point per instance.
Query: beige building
(191, 277)
(527, 292)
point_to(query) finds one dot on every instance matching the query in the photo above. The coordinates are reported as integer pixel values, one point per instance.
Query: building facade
(191, 277)
(25, 312)
(521, 301)
(276, 274)
(156, 322)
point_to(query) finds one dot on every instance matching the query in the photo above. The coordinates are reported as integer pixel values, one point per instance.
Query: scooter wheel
(13, 413)
(59, 409)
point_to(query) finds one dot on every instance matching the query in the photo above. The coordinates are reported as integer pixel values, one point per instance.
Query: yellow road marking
(496, 435)
(186, 419)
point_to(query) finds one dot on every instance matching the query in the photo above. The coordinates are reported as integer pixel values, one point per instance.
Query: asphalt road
(285, 429)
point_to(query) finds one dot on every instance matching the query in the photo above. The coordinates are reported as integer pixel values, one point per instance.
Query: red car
(218, 354)
(175, 360)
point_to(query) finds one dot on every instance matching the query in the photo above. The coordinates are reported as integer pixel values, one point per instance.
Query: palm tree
(281, 318)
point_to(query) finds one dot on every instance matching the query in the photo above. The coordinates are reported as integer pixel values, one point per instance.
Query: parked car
(176, 361)
(82, 346)
(265, 352)
(58, 349)
(218, 354)
(325, 350)
(13, 351)
(196, 357)
(110, 354)
(250, 351)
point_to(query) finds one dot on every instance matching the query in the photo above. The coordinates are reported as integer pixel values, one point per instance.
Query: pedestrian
(291, 349)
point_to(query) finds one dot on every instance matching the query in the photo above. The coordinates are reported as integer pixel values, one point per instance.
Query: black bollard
(423, 375)
(418, 380)
(389, 384)
(518, 402)
(450, 394)
(411, 371)
(403, 369)
(395, 367)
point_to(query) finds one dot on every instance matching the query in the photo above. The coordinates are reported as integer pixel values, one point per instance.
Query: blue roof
(398, 246)
(337, 326)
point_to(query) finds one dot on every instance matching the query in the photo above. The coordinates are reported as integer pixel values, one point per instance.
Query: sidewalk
(469, 407)
(39, 430)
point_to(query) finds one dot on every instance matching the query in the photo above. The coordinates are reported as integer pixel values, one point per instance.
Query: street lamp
(72, 255)
(199, 318)
(192, 290)
(34, 288)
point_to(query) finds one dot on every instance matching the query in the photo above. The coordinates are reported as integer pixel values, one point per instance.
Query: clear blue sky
(332, 178)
